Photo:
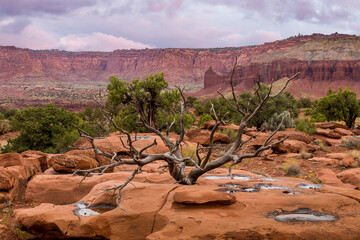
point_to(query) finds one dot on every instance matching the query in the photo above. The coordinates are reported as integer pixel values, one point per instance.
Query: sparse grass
(291, 167)
(321, 144)
(353, 153)
(23, 235)
(189, 151)
(351, 143)
(312, 178)
(5, 216)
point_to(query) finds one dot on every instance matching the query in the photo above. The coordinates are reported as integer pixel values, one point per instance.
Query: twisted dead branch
(175, 162)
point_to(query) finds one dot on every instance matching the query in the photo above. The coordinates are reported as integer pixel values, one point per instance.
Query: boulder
(7, 179)
(198, 135)
(343, 132)
(67, 163)
(10, 159)
(40, 156)
(349, 161)
(259, 140)
(326, 161)
(293, 146)
(351, 176)
(328, 133)
(295, 135)
(338, 156)
(326, 176)
(331, 125)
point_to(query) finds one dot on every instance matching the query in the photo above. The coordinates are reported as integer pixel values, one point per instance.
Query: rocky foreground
(249, 206)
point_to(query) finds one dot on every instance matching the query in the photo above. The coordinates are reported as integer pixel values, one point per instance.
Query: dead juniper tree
(176, 163)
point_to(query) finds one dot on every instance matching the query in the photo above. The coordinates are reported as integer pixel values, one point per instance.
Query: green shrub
(205, 118)
(305, 125)
(275, 120)
(319, 117)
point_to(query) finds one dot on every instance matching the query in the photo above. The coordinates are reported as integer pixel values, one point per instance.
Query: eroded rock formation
(30, 77)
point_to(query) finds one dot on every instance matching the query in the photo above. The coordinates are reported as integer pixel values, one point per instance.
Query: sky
(107, 25)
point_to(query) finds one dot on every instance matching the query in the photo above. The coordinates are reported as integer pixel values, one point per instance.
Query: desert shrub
(205, 118)
(304, 155)
(275, 120)
(351, 143)
(318, 117)
(38, 126)
(305, 125)
(339, 106)
(5, 126)
(291, 167)
(63, 142)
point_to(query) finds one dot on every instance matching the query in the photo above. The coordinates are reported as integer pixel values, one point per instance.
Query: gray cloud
(16, 26)
(30, 7)
(67, 24)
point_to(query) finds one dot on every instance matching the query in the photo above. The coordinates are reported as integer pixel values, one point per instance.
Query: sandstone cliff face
(322, 63)
(29, 77)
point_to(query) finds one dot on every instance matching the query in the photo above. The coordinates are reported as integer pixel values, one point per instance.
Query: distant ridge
(35, 77)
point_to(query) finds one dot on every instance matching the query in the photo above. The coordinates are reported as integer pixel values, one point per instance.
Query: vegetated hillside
(29, 77)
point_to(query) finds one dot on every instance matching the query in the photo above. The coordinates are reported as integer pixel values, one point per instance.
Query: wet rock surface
(163, 210)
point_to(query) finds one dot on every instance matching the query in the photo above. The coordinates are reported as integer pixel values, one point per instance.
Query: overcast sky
(106, 25)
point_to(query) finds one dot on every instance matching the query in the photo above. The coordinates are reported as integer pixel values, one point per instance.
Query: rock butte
(72, 78)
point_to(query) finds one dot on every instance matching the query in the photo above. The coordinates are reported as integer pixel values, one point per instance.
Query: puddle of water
(252, 189)
(271, 179)
(84, 210)
(235, 190)
(291, 192)
(80, 205)
(235, 176)
(228, 190)
(302, 214)
(230, 185)
(309, 186)
(102, 207)
(269, 186)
